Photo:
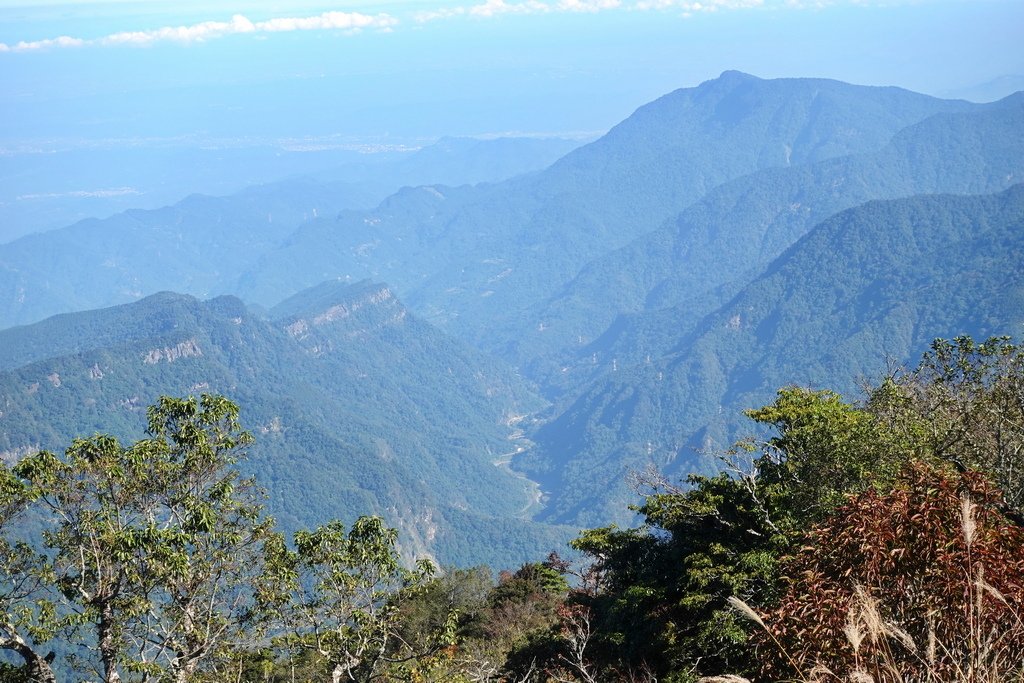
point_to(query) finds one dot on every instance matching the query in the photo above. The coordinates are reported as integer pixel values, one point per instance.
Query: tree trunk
(108, 645)
(344, 668)
(183, 674)
(37, 667)
(39, 670)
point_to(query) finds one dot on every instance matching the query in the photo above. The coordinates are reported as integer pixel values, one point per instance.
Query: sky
(230, 72)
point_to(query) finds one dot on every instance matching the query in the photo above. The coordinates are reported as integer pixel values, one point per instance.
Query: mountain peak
(733, 76)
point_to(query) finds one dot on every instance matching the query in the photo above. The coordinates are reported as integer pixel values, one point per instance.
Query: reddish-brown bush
(921, 583)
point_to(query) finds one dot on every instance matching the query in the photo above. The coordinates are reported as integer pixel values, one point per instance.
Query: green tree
(154, 547)
(348, 590)
(211, 541)
(964, 404)
(661, 598)
(27, 611)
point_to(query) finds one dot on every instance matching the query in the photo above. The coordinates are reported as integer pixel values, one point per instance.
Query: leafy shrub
(923, 582)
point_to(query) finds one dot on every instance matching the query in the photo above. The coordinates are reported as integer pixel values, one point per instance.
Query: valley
(615, 298)
(517, 341)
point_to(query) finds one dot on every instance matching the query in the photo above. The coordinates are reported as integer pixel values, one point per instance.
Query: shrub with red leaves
(922, 583)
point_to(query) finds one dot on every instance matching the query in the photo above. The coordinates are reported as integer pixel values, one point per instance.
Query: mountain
(871, 284)
(202, 244)
(651, 284)
(697, 260)
(475, 260)
(357, 406)
(40, 192)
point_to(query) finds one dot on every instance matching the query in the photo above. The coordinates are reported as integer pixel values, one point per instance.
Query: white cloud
(196, 32)
(690, 6)
(490, 8)
(329, 20)
(493, 8)
(61, 41)
(588, 5)
(208, 30)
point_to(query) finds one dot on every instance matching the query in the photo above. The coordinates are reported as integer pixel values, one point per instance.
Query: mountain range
(868, 288)
(615, 311)
(357, 407)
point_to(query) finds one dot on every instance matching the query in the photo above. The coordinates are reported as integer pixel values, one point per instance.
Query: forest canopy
(880, 539)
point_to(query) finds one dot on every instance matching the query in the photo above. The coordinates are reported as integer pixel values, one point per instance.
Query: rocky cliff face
(366, 309)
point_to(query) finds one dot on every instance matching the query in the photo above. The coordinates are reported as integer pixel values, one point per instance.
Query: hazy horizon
(161, 88)
(407, 71)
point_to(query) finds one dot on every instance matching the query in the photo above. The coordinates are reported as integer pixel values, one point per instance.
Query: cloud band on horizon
(357, 21)
(208, 30)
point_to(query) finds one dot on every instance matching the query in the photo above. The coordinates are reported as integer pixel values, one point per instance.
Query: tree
(451, 610)
(154, 547)
(964, 404)
(27, 611)
(214, 540)
(348, 588)
(662, 597)
(96, 497)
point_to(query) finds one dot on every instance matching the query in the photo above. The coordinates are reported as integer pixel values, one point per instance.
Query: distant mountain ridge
(40, 192)
(475, 260)
(459, 254)
(201, 244)
(748, 222)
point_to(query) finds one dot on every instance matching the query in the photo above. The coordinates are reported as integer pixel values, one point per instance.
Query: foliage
(922, 582)
(152, 546)
(824, 449)
(348, 589)
(521, 616)
(26, 607)
(663, 590)
(662, 601)
(963, 404)
(457, 627)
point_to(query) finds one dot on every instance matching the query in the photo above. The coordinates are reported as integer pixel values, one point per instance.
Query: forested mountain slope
(714, 247)
(357, 407)
(475, 259)
(868, 286)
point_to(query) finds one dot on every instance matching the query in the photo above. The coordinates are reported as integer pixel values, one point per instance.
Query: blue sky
(268, 69)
